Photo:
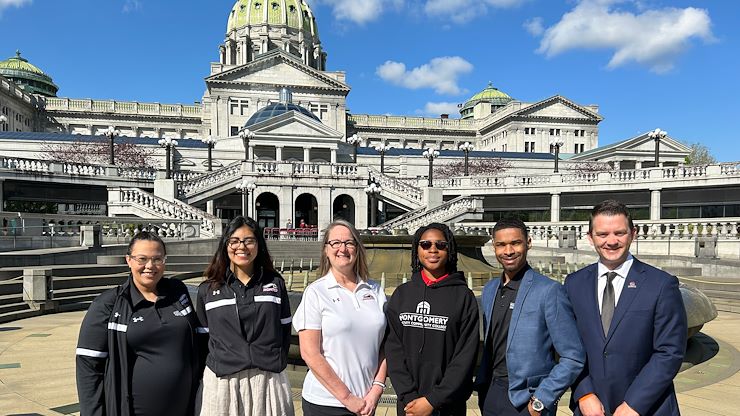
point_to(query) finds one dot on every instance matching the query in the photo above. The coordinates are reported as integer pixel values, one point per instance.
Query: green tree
(699, 155)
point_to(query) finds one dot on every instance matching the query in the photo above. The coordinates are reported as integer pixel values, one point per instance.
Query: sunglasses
(441, 245)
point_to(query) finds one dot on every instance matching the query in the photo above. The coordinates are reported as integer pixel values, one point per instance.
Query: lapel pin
(632, 285)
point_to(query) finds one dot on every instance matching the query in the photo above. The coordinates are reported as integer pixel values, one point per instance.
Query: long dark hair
(451, 265)
(216, 271)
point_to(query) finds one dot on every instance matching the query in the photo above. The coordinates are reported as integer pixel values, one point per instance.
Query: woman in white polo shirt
(340, 324)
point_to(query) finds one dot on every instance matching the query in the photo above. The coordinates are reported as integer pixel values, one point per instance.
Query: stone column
(306, 154)
(638, 164)
(333, 155)
(278, 153)
(655, 204)
(555, 207)
(211, 207)
(325, 200)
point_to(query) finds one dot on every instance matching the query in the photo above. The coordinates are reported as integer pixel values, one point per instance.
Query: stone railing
(25, 165)
(367, 120)
(121, 107)
(442, 213)
(228, 173)
(83, 169)
(186, 175)
(408, 194)
(732, 168)
(119, 198)
(137, 173)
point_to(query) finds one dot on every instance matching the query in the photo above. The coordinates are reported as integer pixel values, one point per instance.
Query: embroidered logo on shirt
(336, 300)
(138, 319)
(216, 292)
(116, 315)
(422, 318)
(270, 287)
(368, 297)
(184, 300)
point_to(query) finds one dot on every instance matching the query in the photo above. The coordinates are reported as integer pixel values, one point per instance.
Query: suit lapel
(521, 295)
(489, 312)
(630, 290)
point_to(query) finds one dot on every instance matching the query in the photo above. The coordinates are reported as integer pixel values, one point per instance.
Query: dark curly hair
(451, 265)
(216, 272)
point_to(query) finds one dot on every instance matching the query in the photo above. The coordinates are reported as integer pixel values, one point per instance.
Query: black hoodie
(432, 342)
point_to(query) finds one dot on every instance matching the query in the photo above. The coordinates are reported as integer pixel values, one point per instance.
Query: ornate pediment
(277, 69)
(294, 124)
(558, 107)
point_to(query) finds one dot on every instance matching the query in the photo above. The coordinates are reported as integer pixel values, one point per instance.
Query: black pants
(310, 409)
(496, 401)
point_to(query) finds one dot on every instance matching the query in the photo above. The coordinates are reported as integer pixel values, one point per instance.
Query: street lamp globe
(111, 134)
(246, 135)
(382, 148)
(556, 143)
(657, 135)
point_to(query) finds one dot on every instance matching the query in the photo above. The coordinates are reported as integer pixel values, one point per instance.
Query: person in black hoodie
(433, 334)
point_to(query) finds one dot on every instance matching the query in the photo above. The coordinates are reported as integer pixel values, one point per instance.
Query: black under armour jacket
(432, 342)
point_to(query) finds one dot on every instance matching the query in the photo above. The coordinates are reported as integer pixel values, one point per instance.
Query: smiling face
(433, 260)
(147, 275)
(342, 258)
(510, 246)
(611, 237)
(242, 248)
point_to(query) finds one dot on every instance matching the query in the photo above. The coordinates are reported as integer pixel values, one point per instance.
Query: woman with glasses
(243, 307)
(340, 326)
(432, 341)
(137, 353)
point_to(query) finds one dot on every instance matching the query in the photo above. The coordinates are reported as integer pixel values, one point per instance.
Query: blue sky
(646, 63)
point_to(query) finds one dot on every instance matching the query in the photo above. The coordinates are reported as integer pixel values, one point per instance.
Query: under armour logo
(336, 300)
(116, 315)
(423, 307)
(216, 292)
(138, 319)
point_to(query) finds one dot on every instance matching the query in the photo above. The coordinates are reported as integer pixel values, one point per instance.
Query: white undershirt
(617, 282)
(352, 326)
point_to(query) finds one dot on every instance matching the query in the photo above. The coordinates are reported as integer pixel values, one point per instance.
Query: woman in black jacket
(137, 351)
(243, 306)
(433, 334)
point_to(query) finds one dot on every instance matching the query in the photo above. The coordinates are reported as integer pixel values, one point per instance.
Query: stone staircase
(136, 202)
(206, 186)
(458, 209)
(397, 191)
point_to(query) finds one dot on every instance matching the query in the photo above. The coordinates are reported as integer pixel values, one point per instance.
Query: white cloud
(464, 11)
(4, 4)
(651, 37)
(359, 11)
(439, 74)
(436, 109)
(534, 26)
(132, 6)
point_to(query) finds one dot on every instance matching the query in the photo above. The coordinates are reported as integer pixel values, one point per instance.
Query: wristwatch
(537, 405)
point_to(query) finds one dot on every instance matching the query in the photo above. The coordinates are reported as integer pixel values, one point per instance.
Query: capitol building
(272, 136)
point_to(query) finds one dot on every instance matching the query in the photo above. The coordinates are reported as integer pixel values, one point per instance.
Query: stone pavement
(37, 374)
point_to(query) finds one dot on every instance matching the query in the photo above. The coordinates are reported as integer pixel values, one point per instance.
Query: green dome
(27, 76)
(294, 14)
(489, 94)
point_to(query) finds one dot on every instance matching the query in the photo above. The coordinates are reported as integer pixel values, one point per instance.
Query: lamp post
(556, 143)
(111, 133)
(431, 154)
(354, 140)
(382, 149)
(245, 187)
(246, 135)
(3, 121)
(466, 147)
(657, 135)
(168, 143)
(210, 141)
(373, 190)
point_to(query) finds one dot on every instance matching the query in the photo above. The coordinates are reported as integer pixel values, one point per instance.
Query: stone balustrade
(228, 173)
(119, 198)
(25, 165)
(442, 213)
(83, 169)
(137, 173)
(409, 194)
(367, 120)
(121, 107)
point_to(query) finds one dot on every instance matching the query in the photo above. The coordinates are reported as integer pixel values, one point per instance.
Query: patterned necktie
(607, 302)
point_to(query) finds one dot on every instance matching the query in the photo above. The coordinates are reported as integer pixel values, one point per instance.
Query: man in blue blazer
(632, 321)
(527, 318)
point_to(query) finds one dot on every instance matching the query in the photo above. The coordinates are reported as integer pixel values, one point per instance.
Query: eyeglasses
(441, 245)
(350, 244)
(234, 242)
(143, 261)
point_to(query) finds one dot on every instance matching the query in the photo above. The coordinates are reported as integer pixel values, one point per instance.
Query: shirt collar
(622, 270)
(137, 297)
(517, 279)
(331, 281)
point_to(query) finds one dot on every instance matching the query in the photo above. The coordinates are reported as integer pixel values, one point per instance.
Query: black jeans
(496, 401)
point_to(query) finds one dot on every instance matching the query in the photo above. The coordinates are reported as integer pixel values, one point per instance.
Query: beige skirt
(250, 392)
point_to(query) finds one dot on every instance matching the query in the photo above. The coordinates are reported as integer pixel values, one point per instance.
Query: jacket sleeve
(285, 318)
(456, 384)
(403, 382)
(583, 384)
(561, 325)
(92, 357)
(669, 347)
(201, 331)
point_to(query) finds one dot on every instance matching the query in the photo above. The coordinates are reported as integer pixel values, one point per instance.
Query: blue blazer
(642, 352)
(542, 323)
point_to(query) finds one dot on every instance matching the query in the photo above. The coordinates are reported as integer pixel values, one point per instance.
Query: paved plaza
(37, 375)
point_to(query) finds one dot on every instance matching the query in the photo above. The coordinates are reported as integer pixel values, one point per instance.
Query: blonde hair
(360, 268)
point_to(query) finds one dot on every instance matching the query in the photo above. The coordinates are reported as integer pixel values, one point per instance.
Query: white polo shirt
(352, 326)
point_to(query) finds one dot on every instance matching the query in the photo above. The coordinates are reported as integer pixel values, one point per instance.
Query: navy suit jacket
(542, 323)
(642, 353)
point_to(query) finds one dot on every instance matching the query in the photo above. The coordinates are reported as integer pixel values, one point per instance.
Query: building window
(529, 130)
(529, 147)
(234, 130)
(579, 148)
(554, 132)
(319, 110)
(238, 107)
(580, 133)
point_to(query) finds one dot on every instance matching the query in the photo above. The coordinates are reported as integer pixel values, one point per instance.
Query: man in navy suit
(527, 319)
(632, 321)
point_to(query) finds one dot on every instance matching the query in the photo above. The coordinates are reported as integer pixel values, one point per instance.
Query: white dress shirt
(617, 282)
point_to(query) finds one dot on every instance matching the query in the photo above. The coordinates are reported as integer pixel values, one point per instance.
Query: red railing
(311, 233)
